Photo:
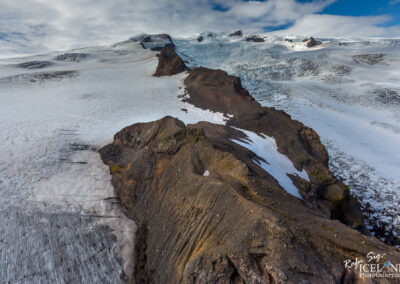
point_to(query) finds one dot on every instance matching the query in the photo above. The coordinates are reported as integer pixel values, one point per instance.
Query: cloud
(59, 24)
(394, 2)
(343, 26)
(35, 26)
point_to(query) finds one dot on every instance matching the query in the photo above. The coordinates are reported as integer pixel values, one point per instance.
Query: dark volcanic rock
(35, 64)
(312, 42)
(146, 39)
(207, 213)
(236, 33)
(169, 63)
(387, 96)
(159, 48)
(71, 57)
(200, 39)
(255, 38)
(217, 91)
(38, 77)
(152, 42)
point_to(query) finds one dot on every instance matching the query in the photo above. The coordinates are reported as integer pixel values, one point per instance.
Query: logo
(375, 265)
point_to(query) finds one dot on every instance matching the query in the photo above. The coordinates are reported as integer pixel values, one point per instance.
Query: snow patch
(278, 165)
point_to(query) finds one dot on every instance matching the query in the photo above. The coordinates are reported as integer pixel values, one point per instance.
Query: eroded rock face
(169, 63)
(234, 224)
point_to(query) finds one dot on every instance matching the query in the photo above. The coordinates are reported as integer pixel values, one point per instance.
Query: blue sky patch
(355, 8)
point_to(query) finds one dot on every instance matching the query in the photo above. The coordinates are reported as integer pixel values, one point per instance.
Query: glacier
(61, 222)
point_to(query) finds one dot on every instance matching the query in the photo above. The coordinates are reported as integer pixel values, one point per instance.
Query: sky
(39, 26)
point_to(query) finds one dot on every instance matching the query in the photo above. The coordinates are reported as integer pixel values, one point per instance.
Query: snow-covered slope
(347, 90)
(56, 110)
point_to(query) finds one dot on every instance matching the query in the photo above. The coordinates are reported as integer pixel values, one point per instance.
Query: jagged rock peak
(311, 42)
(169, 63)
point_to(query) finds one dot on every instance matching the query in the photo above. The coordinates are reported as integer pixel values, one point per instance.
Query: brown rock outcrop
(217, 91)
(169, 63)
(234, 224)
(312, 42)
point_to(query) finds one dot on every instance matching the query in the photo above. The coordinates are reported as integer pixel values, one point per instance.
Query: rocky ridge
(207, 213)
(217, 91)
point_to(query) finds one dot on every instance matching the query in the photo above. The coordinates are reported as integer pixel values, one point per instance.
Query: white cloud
(33, 26)
(343, 26)
(394, 2)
